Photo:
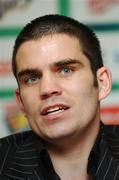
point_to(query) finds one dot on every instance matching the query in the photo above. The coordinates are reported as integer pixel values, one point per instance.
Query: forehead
(49, 49)
(50, 42)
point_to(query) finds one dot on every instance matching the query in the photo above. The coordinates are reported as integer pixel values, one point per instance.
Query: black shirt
(23, 156)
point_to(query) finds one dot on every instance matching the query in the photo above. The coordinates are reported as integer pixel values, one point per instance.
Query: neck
(70, 157)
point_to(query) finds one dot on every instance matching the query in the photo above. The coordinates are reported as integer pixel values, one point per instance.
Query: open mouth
(54, 109)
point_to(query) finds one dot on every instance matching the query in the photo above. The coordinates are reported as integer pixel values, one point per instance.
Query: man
(61, 79)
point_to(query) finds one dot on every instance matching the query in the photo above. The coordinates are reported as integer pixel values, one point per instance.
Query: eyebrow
(29, 72)
(38, 72)
(65, 62)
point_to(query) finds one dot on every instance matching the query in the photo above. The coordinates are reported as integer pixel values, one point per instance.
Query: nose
(49, 87)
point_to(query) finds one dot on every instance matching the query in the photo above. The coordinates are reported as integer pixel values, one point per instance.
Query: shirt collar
(94, 154)
(45, 160)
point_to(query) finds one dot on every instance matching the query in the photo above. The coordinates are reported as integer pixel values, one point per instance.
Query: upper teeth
(54, 109)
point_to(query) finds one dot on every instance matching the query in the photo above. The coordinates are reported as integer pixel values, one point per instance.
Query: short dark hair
(59, 24)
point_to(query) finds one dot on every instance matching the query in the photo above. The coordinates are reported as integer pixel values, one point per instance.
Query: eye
(30, 79)
(66, 70)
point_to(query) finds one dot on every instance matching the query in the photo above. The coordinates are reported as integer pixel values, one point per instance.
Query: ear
(104, 82)
(19, 101)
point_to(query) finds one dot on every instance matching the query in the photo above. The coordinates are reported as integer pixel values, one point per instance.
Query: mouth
(54, 109)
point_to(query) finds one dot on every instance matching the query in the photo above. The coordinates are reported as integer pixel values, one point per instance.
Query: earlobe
(104, 82)
(19, 101)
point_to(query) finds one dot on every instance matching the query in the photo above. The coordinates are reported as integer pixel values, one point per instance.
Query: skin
(53, 72)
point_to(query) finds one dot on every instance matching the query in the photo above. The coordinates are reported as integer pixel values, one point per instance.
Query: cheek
(84, 93)
(71, 85)
(78, 83)
(29, 100)
(75, 89)
(83, 86)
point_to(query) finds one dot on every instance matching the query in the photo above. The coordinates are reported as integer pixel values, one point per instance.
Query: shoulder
(111, 137)
(14, 140)
(16, 145)
(9, 144)
(111, 131)
(17, 154)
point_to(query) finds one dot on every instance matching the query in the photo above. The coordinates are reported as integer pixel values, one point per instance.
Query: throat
(68, 167)
(69, 170)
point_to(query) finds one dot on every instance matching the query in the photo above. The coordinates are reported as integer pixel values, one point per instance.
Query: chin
(58, 136)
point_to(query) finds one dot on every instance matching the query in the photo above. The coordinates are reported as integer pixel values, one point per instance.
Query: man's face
(57, 92)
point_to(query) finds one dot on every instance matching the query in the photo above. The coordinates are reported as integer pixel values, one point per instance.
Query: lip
(53, 117)
(51, 109)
